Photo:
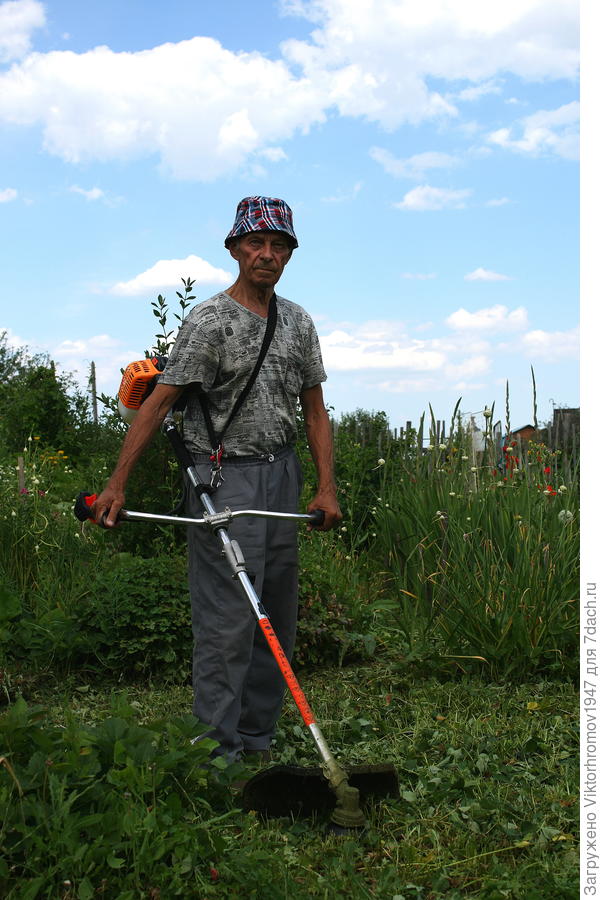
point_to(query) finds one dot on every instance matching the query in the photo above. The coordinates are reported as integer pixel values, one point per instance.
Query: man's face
(262, 257)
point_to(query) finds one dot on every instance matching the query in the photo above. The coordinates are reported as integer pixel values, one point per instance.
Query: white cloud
(551, 346)
(205, 111)
(409, 385)
(274, 154)
(493, 318)
(96, 344)
(547, 131)
(343, 351)
(413, 167)
(474, 365)
(471, 94)
(18, 19)
(169, 272)
(7, 195)
(462, 344)
(12, 340)
(378, 54)
(499, 201)
(108, 353)
(342, 197)
(426, 197)
(75, 356)
(94, 193)
(380, 330)
(486, 275)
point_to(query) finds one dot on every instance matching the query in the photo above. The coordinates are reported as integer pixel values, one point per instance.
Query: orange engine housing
(137, 382)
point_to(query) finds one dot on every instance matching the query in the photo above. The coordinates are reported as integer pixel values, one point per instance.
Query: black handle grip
(317, 517)
(82, 505)
(82, 508)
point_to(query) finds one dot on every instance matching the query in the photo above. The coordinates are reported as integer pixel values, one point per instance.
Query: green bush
(36, 400)
(335, 619)
(119, 809)
(137, 617)
(105, 613)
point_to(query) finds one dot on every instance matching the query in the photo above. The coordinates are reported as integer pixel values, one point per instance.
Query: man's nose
(266, 251)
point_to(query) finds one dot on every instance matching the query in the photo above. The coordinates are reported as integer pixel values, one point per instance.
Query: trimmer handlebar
(85, 501)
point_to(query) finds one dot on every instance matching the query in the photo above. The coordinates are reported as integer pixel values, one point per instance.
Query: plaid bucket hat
(262, 214)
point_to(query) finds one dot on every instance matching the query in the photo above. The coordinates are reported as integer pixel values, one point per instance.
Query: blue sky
(429, 149)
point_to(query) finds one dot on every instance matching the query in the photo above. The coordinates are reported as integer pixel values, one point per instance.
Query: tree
(36, 400)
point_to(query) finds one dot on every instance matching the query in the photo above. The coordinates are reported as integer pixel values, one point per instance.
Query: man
(238, 690)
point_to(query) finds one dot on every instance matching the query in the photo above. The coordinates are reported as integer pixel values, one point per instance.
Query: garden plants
(437, 629)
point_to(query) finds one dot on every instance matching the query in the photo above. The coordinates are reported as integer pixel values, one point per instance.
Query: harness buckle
(216, 474)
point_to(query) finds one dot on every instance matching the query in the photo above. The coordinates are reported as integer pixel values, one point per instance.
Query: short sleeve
(314, 372)
(194, 357)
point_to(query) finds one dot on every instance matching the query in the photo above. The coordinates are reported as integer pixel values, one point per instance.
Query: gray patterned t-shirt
(217, 347)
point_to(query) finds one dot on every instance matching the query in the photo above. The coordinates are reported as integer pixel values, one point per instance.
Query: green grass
(488, 791)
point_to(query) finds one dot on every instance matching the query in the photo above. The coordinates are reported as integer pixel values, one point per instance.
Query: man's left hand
(327, 501)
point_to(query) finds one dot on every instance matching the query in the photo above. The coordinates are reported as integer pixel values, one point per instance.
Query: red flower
(214, 875)
(547, 470)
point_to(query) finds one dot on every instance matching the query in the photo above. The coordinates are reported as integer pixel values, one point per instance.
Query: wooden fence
(562, 434)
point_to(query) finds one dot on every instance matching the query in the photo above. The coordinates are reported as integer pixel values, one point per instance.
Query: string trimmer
(276, 790)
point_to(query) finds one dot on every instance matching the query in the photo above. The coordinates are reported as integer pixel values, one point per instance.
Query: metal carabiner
(216, 475)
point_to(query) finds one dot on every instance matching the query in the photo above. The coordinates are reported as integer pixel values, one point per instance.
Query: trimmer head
(297, 791)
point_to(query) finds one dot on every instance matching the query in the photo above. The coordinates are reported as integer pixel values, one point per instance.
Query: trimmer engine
(139, 379)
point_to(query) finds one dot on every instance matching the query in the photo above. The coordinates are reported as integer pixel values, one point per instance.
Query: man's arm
(320, 442)
(143, 428)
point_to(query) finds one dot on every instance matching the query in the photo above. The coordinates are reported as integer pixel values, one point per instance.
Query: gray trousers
(238, 689)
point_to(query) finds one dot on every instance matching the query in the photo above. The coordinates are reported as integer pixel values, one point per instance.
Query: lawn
(487, 807)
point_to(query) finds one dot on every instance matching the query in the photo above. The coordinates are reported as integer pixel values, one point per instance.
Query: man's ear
(233, 248)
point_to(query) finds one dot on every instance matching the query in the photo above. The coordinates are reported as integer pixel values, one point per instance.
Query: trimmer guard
(282, 790)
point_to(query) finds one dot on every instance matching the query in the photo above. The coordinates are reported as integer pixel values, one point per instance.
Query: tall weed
(482, 558)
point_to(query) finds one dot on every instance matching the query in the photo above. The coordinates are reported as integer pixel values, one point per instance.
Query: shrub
(335, 620)
(137, 616)
(120, 808)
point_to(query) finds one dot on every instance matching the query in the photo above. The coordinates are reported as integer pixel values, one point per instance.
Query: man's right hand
(108, 504)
